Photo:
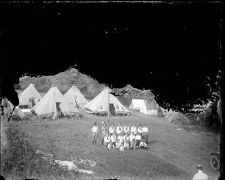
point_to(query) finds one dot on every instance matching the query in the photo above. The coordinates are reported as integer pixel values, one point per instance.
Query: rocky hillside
(87, 85)
(127, 93)
(64, 80)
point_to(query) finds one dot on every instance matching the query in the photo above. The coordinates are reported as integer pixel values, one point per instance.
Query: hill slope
(87, 85)
(64, 80)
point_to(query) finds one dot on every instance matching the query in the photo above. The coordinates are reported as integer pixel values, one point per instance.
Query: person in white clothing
(126, 129)
(200, 175)
(111, 129)
(107, 140)
(94, 131)
(133, 129)
(120, 138)
(117, 143)
(126, 141)
(138, 139)
(119, 129)
(132, 141)
(139, 130)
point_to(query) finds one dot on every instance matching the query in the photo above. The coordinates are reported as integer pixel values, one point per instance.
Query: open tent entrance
(112, 109)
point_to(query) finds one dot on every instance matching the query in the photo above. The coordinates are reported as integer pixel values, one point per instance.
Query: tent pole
(108, 101)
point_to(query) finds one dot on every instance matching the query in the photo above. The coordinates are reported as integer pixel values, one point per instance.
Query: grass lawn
(172, 155)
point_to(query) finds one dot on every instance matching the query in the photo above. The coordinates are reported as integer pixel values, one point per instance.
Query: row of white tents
(68, 104)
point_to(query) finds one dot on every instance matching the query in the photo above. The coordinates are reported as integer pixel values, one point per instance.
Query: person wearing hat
(200, 175)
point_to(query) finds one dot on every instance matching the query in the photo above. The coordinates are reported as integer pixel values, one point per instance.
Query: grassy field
(172, 154)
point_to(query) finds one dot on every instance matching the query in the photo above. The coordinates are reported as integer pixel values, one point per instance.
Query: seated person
(120, 138)
(132, 141)
(143, 144)
(113, 140)
(106, 140)
(121, 147)
(126, 141)
(117, 143)
(138, 139)
(139, 130)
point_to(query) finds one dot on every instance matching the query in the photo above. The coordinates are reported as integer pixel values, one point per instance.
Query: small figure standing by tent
(160, 113)
(94, 131)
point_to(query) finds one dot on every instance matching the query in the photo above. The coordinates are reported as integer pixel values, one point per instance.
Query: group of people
(121, 137)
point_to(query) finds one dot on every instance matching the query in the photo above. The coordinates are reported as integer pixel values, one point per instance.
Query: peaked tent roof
(29, 92)
(47, 105)
(101, 103)
(75, 97)
(144, 106)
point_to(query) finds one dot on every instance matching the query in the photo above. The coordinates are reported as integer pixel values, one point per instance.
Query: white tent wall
(29, 92)
(101, 103)
(143, 106)
(47, 105)
(75, 97)
(117, 104)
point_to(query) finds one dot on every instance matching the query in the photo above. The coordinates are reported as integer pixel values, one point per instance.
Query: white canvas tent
(28, 93)
(143, 106)
(47, 106)
(101, 103)
(74, 97)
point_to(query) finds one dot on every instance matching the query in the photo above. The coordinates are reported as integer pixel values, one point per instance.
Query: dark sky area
(169, 48)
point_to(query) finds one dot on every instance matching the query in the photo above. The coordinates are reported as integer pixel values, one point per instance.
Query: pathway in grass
(172, 153)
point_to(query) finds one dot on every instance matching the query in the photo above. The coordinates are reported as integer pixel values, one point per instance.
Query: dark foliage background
(172, 49)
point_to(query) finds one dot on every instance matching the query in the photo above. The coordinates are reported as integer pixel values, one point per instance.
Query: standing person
(106, 140)
(139, 130)
(107, 124)
(126, 129)
(104, 131)
(133, 129)
(200, 175)
(119, 129)
(145, 133)
(113, 140)
(94, 131)
(111, 129)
